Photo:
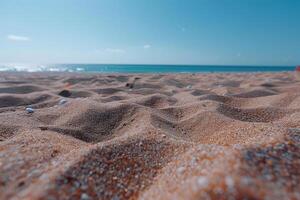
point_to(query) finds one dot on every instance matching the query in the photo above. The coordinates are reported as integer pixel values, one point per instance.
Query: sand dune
(155, 136)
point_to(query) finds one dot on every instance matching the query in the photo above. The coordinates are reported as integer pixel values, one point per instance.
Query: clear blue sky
(247, 32)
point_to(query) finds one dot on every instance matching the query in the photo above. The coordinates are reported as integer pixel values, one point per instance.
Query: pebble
(62, 102)
(202, 181)
(43, 128)
(180, 170)
(29, 110)
(84, 196)
(130, 85)
(189, 87)
(65, 93)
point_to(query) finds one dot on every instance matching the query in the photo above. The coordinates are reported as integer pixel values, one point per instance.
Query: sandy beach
(149, 136)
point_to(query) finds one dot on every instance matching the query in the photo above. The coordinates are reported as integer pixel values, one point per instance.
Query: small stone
(84, 196)
(202, 181)
(130, 85)
(54, 153)
(29, 110)
(43, 128)
(189, 87)
(21, 184)
(180, 170)
(65, 93)
(62, 102)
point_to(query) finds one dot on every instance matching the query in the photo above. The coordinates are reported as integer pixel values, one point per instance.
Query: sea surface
(128, 68)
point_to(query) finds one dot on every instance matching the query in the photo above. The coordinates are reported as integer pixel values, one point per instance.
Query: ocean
(130, 68)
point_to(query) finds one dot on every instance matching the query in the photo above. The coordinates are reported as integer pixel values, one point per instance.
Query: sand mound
(176, 136)
(23, 100)
(252, 115)
(255, 93)
(24, 89)
(91, 122)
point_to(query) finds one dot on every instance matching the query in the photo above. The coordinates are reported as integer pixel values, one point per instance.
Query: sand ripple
(177, 136)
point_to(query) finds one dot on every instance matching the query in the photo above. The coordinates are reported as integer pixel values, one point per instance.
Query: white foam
(31, 68)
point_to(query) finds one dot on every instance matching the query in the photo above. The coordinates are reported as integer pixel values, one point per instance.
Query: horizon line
(169, 64)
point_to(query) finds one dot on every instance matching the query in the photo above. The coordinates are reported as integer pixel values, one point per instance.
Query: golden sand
(176, 136)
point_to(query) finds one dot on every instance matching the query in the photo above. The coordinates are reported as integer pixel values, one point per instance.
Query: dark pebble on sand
(21, 184)
(65, 93)
(130, 85)
(43, 128)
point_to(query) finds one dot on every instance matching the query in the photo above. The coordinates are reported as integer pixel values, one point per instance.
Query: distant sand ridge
(151, 136)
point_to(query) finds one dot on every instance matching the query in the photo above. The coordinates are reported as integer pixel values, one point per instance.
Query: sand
(155, 136)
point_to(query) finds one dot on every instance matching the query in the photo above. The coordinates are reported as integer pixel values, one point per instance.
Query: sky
(215, 32)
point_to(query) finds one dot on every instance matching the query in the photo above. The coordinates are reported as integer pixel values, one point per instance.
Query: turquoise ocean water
(116, 68)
